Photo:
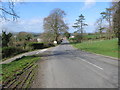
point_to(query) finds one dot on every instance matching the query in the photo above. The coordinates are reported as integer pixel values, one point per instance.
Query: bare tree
(8, 8)
(55, 23)
(100, 26)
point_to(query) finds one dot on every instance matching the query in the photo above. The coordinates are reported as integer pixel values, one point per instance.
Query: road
(67, 67)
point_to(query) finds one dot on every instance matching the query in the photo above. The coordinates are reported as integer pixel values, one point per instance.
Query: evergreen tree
(79, 25)
(5, 38)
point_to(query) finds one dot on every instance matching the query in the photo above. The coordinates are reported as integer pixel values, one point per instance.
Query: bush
(60, 41)
(47, 45)
(35, 45)
(72, 39)
(78, 38)
(11, 51)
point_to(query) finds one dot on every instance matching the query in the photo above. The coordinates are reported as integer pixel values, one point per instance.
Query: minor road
(67, 67)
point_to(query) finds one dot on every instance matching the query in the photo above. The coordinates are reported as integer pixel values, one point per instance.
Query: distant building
(39, 40)
(55, 42)
(72, 37)
(33, 40)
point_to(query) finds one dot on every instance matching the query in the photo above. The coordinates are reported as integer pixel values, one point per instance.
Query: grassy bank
(104, 47)
(9, 52)
(19, 71)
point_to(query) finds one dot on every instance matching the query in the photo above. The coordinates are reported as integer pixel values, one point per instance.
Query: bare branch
(8, 11)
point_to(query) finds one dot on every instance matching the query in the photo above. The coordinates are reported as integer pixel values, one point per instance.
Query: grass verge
(12, 71)
(104, 47)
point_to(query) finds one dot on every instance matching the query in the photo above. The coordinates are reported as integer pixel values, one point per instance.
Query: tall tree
(55, 23)
(116, 19)
(80, 24)
(107, 15)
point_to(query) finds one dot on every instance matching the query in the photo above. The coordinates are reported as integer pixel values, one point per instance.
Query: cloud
(88, 4)
(31, 25)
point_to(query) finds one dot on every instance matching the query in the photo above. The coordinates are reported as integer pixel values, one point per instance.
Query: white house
(72, 37)
(39, 40)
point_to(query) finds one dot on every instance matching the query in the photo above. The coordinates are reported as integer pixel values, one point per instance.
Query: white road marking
(92, 64)
(41, 51)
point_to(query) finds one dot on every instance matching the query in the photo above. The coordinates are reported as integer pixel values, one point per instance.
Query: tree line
(107, 26)
(111, 16)
(55, 26)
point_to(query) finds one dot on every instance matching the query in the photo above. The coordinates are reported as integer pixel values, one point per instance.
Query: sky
(32, 15)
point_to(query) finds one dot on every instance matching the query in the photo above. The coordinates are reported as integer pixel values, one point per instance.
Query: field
(92, 36)
(104, 47)
(18, 71)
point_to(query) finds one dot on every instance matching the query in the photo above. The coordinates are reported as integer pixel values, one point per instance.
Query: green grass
(94, 36)
(15, 67)
(105, 47)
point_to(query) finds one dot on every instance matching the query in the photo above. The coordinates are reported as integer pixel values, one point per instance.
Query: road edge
(23, 54)
(97, 54)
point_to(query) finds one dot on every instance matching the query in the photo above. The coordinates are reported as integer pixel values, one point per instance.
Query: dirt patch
(21, 80)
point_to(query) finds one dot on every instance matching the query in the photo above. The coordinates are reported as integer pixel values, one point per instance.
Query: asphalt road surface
(67, 67)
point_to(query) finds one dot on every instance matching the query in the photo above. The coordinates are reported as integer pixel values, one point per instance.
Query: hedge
(11, 51)
(35, 45)
(38, 45)
(47, 45)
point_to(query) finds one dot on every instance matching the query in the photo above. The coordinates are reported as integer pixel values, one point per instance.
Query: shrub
(35, 45)
(11, 51)
(60, 41)
(72, 39)
(47, 45)
(89, 38)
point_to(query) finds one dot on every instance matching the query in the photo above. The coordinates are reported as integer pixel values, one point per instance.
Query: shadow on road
(69, 43)
(62, 53)
(55, 53)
